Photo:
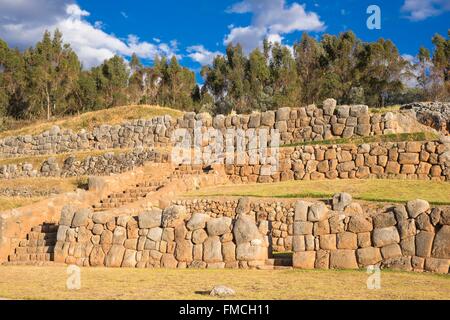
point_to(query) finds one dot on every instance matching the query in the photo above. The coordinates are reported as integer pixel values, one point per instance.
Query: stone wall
(335, 234)
(295, 125)
(105, 164)
(169, 238)
(412, 237)
(401, 160)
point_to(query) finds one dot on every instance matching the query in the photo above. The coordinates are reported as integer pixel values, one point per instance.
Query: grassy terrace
(59, 185)
(378, 190)
(88, 120)
(100, 283)
(395, 137)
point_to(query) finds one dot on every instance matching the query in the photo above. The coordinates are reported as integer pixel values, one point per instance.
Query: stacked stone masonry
(401, 160)
(294, 124)
(336, 234)
(105, 164)
(414, 237)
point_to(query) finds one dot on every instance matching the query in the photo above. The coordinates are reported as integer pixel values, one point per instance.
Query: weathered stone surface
(347, 240)
(222, 291)
(341, 200)
(184, 251)
(218, 226)
(301, 210)
(359, 224)
(97, 257)
(424, 242)
(317, 212)
(168, 261)
(212, 250)
(391, 251)
(384, 236)
(441, 245)
(249, 252)
(243, 206)
(129, 259)
(245, 230)
(115, 255)
(303, 227)
(150, 219)
(416, 207)
(384, 219)
(368, 256)
(328, 242)
(81, 217)
(119, 236)
(343, 259)
(398, 263)
(199, 236)
(229, 251)
(304, 259)
(67, 213)
(155, 234)
(197, 221)
(322, 259)
(173, 216)
(437, 265)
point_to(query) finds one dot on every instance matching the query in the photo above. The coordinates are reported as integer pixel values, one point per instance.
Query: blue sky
(196, 30)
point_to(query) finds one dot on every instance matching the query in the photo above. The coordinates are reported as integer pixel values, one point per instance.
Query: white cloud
(422, 9)
(271, 18)
(201, 55)
(124, 14)
(22, 23)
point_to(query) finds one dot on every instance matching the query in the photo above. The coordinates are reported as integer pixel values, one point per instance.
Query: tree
(52, 74)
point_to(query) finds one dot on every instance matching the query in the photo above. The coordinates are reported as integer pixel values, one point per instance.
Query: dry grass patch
(26, 282)
(89, 120)
(8, 203)
(381, 190)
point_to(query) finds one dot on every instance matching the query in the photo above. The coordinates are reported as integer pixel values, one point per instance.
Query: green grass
(24, 282)
(392, 108)
(87, 120)
(378, 190)
(394, 137)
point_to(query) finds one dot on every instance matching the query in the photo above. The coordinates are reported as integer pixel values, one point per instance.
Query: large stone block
(383, 236)
(183, 251)
(249, 252)
(424, 243)
(368, 256)
(343, 259)
(417, 207)
(245, 230)
(347, 240)
(384, 219)
(318, 211)
(303, 228)
(304, 259)
(173, 216)
(437, 265)
(67, 213)
(197, 221)
(218, 226)
(359, 223)
(301, 210)
(81, 217)
(212, 250)
(391, 251)
(441, 246)
(150, 219)
(328, 242)
(341, 200)
(115, 255)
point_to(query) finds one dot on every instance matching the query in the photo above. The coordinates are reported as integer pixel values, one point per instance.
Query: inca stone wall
(295, 125)
(336, 234)
(412, 237)
(402, 160)
(105, 164)
(169, 238)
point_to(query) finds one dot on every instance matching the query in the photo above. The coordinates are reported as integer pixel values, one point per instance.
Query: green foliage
(48, 80)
